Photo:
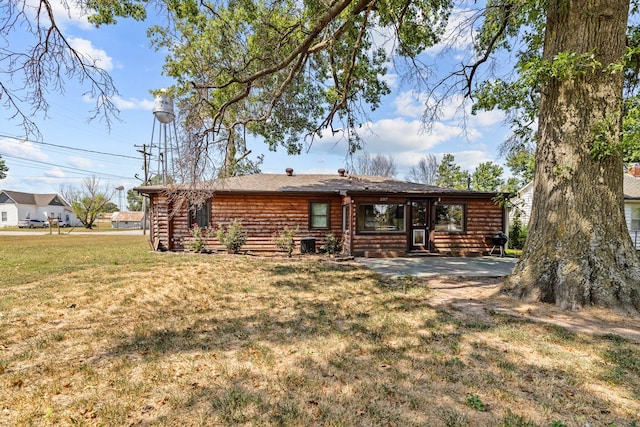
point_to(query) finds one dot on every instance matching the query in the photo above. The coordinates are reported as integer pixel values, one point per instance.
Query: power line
(70, 148)
(68, 167)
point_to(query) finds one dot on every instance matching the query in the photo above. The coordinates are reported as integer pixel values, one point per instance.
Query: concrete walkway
(486, 266)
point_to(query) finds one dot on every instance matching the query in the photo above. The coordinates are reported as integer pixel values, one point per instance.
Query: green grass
(97, 330)
(98, 226)
(32, 257)
(514, 253)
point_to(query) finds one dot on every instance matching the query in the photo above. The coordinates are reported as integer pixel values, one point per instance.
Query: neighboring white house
(632, 204)
(16, 206)
(631, 187)
(522, 200)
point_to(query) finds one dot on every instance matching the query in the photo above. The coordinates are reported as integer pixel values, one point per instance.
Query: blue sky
(72, 149)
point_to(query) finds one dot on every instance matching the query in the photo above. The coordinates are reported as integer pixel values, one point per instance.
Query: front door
(419, 225)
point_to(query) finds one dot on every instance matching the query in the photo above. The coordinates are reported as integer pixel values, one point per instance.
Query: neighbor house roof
(631, 187)
(127, 216)
(34, 199)
(311, 183)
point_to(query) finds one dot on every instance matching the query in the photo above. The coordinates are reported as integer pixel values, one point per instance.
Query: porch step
(423, 254)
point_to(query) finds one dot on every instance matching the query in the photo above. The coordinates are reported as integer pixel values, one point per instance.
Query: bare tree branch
(46, 64)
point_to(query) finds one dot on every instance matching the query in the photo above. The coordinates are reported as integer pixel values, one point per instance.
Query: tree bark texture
(578, 251)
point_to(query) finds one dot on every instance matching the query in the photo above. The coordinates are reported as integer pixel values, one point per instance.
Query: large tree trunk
(578, 252)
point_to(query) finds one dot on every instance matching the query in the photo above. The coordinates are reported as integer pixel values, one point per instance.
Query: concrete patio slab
(486, 266)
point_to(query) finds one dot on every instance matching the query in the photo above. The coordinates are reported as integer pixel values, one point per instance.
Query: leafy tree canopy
(487, 177)
(451, 175)
(134, 201)
(110, 207)
(88, 200)
(285, 70)
(518, 93)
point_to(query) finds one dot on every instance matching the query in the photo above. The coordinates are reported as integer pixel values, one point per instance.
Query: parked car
(32, 223)
(60, 223)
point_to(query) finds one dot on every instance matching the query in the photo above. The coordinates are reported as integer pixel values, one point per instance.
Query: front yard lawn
(96, 330)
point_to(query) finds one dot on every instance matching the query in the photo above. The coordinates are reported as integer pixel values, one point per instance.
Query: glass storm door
(419, 230)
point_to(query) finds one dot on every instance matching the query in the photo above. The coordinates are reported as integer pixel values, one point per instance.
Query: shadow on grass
(380, 354)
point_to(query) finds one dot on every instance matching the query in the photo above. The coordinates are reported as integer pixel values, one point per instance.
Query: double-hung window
(318, 215)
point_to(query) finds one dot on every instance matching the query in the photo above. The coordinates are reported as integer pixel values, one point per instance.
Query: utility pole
(144, 182)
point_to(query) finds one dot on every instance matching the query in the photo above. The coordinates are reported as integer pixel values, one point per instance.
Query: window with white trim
(318, 215)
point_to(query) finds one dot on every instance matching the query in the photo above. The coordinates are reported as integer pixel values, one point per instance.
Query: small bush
(474, 402)
(233, 237)
(199, 236)
(517, 232)
(332, 245)
(284, 240)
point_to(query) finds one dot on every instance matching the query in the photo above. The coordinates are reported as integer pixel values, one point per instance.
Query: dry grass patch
(231, 340)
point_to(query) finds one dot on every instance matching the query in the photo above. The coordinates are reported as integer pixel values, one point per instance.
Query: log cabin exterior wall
(262, 217)
(263, 214)
(159, 236)
(365, 243)
(484, 218)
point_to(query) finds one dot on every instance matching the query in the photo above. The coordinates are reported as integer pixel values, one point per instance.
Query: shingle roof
(631, 187)
(308, 183)
(33, 199)
(127, 216)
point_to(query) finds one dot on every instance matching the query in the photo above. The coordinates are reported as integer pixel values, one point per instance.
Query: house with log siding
(374, 216)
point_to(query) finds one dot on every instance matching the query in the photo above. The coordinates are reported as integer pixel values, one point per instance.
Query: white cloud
(487, 118)
(126, 104)
(80, 162)
(73, 16)
(398, 135)
(469, 160)
(98, 56)
(393, 135)
(27, 150)
(54, 173)
(392, 79)
(133, 104)
(66, 14)
(454, 108)
(410, 104)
